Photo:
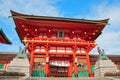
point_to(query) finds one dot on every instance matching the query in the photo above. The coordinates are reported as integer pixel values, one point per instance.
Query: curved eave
(4, 38)
(29, 19)
(19, 15)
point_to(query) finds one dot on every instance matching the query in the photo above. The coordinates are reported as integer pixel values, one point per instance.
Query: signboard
(40, 60)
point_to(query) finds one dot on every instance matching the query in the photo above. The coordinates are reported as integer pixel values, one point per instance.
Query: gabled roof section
(19, 15)
(3, 38)
(90, 28)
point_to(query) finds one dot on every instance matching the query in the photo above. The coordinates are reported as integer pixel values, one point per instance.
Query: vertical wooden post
(47, 60)
(32, 60)
(75, 59)
(75, 68)
(70, 69)
(117, 66)
(88, 64)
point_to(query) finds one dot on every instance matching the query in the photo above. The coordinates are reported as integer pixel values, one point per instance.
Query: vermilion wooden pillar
(47, 60)
(88, 64)
(117, 66)
(75, 59)
(75, 67)
(70, 69)
(32, 60)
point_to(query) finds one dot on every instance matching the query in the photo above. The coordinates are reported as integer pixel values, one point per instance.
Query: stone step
(65, 78)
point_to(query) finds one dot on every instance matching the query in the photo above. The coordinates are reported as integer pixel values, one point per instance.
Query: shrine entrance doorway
(60, 65)
(56, 71)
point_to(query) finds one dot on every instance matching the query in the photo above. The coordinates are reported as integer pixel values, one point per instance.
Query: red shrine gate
(58, 46)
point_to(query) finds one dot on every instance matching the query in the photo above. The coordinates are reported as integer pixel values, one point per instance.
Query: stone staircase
(55, 78)
(66, 78)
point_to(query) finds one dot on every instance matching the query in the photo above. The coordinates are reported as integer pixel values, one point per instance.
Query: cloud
(108, 11)
(110, 39)
(110, 42)
(38, 7)
(34, 7)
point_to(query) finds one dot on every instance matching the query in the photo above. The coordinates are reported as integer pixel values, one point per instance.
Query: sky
(109, 40)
